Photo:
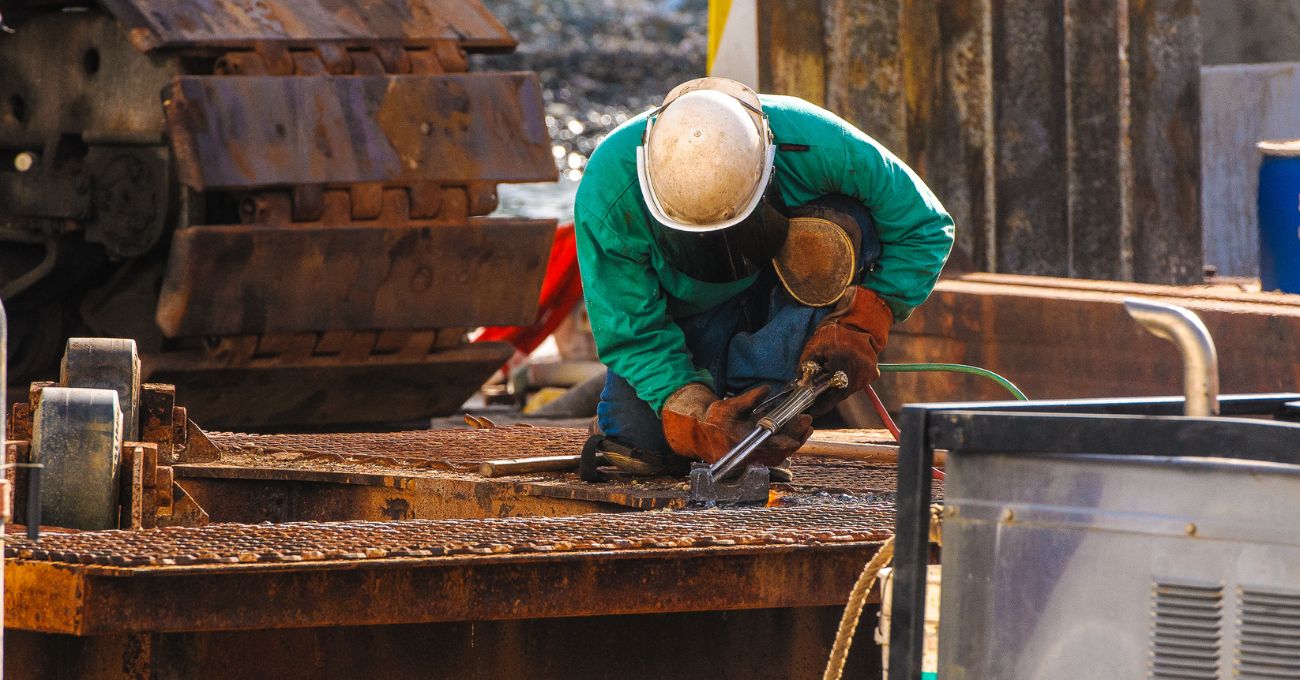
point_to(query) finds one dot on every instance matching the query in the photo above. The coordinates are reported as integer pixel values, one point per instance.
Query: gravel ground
(600, 62)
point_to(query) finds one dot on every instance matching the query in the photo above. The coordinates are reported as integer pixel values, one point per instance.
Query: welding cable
(881, 411)
(858, 596)
(885, 418)
(956, 368)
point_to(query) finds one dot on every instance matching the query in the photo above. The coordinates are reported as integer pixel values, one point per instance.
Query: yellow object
(733, 40)
(718, 10)
(543, 397)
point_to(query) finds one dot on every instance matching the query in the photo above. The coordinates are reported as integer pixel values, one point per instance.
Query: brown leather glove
(849, 340)
(700, 425)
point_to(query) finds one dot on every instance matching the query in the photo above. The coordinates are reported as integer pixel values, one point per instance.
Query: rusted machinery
(390, 554)
(283, 201)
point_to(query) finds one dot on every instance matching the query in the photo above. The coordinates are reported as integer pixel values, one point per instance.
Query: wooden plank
(1030, 115)
(1100, 223)
(792, 50)
(1165, 63)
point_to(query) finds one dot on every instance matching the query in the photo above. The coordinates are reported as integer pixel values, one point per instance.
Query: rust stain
(295, 542)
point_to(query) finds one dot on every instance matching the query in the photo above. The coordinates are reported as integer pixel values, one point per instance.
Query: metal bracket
(33, 518)
(752, 487)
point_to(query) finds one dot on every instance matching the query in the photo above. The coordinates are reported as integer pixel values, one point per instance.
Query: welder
(726, 238)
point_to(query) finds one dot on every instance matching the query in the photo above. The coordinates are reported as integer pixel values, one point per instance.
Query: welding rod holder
(799, 401)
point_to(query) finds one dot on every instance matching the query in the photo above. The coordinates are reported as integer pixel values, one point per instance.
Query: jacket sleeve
(635, 336)
(916, 232)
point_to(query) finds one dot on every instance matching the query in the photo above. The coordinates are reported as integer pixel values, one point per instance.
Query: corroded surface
(446, 462)
(221, 23)
(450, 449)
(234, 544)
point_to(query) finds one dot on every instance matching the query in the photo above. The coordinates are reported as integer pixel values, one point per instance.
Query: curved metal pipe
(35, 275)
(1200, 360)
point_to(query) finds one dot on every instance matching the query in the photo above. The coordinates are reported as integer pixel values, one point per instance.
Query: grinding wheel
(77, 436)
(107, 364)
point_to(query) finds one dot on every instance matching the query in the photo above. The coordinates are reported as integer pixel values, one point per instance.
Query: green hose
(955, 368)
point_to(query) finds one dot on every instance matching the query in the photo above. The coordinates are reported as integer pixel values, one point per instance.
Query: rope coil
(861, 589)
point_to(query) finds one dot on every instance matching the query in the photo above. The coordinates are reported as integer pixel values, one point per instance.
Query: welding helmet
(705, 166)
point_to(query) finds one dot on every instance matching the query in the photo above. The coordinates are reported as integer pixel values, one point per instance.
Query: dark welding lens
(730, 254)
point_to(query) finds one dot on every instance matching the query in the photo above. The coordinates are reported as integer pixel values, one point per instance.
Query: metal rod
(799, 400)
(34, 502)
(1200, 360)
(737, 453)
(735, 462)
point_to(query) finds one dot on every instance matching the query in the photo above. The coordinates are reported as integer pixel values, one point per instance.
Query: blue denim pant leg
(627, 419)
(754, 338)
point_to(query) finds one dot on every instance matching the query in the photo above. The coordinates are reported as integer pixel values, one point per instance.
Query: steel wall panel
(243, 280)
(259, 131)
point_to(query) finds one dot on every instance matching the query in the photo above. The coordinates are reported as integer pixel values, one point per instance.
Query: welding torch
(784, 407)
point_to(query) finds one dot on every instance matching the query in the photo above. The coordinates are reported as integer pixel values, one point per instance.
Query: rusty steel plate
(225, 24)
(435, 467)
(460, 449)
(374, 391)
(487, 272)
(236, 544)
(240, 132)
(229, 577)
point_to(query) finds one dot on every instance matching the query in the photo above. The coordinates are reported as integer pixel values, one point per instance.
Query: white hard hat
(706, 157)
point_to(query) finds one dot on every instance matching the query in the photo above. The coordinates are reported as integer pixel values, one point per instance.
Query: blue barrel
(1279, 216)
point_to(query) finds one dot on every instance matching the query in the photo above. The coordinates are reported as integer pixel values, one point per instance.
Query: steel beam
(81, 600)
(761, 644)
(404, 276)
(262, 395)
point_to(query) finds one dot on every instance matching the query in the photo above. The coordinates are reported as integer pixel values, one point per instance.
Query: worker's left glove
(698, 424)
(849, 340)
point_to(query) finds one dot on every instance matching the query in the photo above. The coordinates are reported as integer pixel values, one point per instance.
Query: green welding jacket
(633, 294)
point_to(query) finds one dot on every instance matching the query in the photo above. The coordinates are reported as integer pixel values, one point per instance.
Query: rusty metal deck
(230, 577)
(469, 548)
(434, 473)
(238, 544)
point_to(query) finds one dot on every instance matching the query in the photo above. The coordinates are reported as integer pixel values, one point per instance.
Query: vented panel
(1186, 630)
(1268, 645)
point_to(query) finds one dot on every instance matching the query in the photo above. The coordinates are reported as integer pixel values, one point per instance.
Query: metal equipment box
(1101, 540)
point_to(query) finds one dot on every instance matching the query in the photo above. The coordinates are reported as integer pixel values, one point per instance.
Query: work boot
(644, 463)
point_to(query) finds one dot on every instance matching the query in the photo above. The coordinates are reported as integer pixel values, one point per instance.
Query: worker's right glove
(698, 424)
(849, 339)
